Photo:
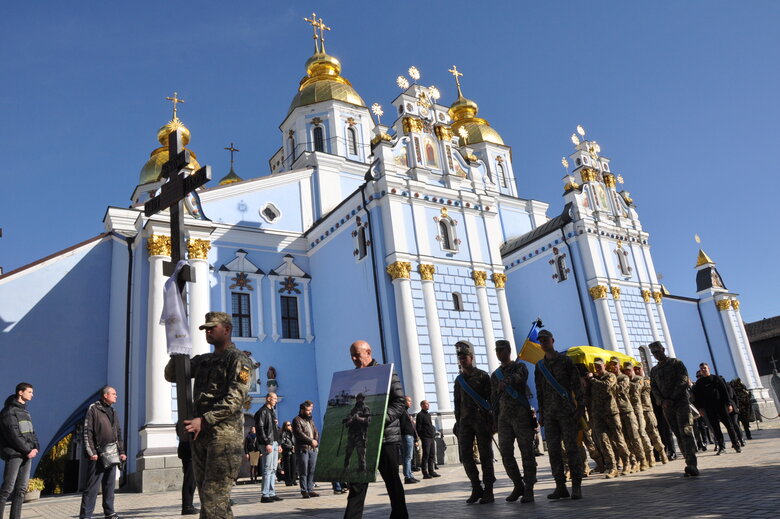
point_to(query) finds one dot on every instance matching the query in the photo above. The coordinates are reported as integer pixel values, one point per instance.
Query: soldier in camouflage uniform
(651, 424)
(220, 392)
(627, 416)
(513, 420)
(357, 422)
(474, 421)
(560, 414)
(669, 383)
(636, 402)
(607, 429)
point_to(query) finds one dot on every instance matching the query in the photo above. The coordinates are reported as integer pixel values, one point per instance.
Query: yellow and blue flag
(532, 350)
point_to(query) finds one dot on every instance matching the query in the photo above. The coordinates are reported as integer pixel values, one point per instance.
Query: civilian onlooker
(427, 434)
(184, 452)
(307, 440)
(408, 440)
(712, 400)
(287, 442)
(267, 427)
(252, 453)
(102, 440)
(18, 447)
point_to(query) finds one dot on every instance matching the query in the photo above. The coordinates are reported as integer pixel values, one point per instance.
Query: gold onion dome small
(323, 82)
(230, 178)
(464, 115)
(153, 167)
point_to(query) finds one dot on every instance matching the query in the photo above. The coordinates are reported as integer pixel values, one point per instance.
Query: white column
(407, 332)
(599, 296)
(306, 312)
(724, 306)
(199, 294)
(627, 349)
(646, 294)
(479, 277)
(272, 296)
(499, 280)
(751, 362)
(434, 335)
(158, 390)
(658, 296)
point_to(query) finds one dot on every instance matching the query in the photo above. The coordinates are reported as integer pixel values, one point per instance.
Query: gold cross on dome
(175, 99)
(454, 72)
(232, 150)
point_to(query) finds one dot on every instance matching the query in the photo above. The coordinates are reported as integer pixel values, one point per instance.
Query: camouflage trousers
(588, 446)
(631, 434)
(467, 433)
(511, 428)
(215, 462)
(651, 427)
(608, 434)
(681, 423)
(358, 443)
(561, 431)
(646, 445)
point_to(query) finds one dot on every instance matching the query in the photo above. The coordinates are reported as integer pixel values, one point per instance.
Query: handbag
(109, 455)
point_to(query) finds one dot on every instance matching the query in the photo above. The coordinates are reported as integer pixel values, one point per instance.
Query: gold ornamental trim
(444, 133)
(723, 304)
(159, 245)
(658, 296)
(412, 124)
(426, 271)
(399, 270)
(499, 279)
(735, 304)
(479, 277)
(198, 249)
(646, 295)
(598, 292)
(571, 186)
(381, 137)
(609, 179)
(615, 292)
(588, 175)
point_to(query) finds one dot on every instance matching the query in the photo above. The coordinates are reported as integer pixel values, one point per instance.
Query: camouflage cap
(215, 318)
(598, 360)
(628, 364)
(464, 348)
(615, 360)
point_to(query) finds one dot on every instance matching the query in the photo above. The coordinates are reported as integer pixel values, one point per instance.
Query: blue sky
(682, 96)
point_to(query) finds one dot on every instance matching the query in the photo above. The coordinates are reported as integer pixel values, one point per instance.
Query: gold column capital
(723, 304)
(426, 271)
(735, 304)
(499, 279)
(399, 270)
(158, 245)
(646, 294)
(598, 292)
(588, 175)
(412, 124)
(615, 292)
(198, 249)
(609, 179)
(479, 277)
(658, 296)
(444, 133)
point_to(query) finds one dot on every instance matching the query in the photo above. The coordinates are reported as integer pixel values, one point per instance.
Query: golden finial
(565, 163)
(435, 94)
(175, 99)
(322, 27)
(314, 25)
(402, 82)
(232, 150)
(581, 130)
(620, 179)
(414, 73)
(464, 134)
(696, 238)
(376, 109)
(575, 140)
(454, 72)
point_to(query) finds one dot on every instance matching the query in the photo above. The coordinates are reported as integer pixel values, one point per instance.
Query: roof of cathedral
(464, 115)
(703, 259)
(159, 156)
(548, 227)
(323, 82)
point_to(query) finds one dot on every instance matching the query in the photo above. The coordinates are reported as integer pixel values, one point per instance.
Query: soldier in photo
(651, 424)
(474, 421)
(220, 391)
(635, 395)
(627, 416)
(607, 429)
(357, 422)
(669, 384)
(514, 421)
(561, 406)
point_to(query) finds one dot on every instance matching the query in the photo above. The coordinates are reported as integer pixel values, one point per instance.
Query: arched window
(362, 243)
(319, 139)
(446, 238)
(622, 255)
(501, 173)
(352, 141)
(457, 301)
(291, 142)
(560, 267)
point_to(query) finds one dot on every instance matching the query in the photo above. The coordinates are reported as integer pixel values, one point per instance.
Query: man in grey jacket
(18, 447)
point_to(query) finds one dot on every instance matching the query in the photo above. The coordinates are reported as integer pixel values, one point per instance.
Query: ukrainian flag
(532, 350)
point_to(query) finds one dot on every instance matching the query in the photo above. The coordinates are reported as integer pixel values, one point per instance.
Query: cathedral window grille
(319, 138)
(241, 315)
(362, 243)
(444, 232)
(559, 265)
(352, 141)
(622, 256)
(457, 302)
(289, 310)
(501, 174)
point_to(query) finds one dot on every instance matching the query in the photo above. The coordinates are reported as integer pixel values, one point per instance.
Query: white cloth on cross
(174, 316)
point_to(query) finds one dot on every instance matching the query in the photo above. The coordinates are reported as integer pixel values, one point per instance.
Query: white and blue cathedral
(411, 236)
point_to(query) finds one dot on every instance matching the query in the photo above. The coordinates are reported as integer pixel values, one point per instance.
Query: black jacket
(396, 407)
(305, 432)
(101, 427)
(250, 443)
(265, 425)
(17, 436)
(425, 428)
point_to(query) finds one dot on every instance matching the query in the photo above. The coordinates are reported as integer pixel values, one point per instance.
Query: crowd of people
(620, 417)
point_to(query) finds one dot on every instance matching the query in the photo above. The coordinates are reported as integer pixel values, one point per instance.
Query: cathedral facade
(411, 236)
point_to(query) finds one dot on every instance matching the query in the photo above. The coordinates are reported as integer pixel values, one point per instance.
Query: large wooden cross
(172, 196)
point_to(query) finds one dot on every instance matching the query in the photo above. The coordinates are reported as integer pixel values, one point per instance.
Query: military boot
(626, 467)
(476, 494)
(611, 474)
(516, 492)
(559, 492)
(528, 494)
(664, 458)
(691, 470)
(576, 489)
(650, 460)
(487, 495)
(643, 465)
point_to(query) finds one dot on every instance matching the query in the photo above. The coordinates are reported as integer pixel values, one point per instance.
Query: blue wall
(690, 343)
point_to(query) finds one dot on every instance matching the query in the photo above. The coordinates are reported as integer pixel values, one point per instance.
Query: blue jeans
(407, 444)
(307, 461)
(15, 477)
(269, 462)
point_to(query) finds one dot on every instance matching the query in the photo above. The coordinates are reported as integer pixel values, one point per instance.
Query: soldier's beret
(215, 318)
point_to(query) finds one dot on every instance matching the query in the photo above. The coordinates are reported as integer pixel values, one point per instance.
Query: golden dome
(153, 167)
(230, 178)
(464, 115)
(323, 82)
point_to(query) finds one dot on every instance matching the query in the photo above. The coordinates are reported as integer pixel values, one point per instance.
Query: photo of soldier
(356, 422)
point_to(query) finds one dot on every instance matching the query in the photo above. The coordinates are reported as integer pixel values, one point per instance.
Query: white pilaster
(272, 297)
(750, 366)
(487, 322)
(646, 295)
(627, 349)
(664, 326)
(599, 295)
(158, 390)
(306, 311)
(499, 279)
(724, 307)
(200, 304)
(443, 401)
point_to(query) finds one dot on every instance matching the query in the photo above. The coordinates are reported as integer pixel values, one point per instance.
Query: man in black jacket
(101, 428)
(18, 447)
(427, 433)
(267, 429)
(360, 352)
(712, 399)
